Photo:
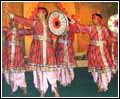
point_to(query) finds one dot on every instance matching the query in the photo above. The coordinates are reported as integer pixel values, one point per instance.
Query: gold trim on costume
(44, 43)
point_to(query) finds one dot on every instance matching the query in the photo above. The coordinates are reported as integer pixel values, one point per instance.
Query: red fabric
(116, 49)
(60, 54)
(18, 62)
(36, 53)
(113, 40)
(94, 55)
(36, 50)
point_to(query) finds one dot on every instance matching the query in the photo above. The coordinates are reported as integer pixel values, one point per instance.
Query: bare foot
(25, 91)
(42, 94)
(100, 90)
(56, 93)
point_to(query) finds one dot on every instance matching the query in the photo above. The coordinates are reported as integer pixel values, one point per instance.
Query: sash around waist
(64, 41)
(10, 43)
(97, 42)
(42, 38)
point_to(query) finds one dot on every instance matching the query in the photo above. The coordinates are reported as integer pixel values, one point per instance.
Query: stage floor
(82, 86)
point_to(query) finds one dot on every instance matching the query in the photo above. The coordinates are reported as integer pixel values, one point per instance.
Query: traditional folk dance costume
(13, 59)
(100, 63)
(65, 56)
(113, 47)
(42, 57)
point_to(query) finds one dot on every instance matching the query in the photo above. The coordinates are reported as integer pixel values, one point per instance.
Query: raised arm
(21, 20)
(83, 28)
(77, 28)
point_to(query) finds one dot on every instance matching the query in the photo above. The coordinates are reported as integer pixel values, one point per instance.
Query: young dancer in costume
(42, 55)
(13, 58)
(100, 64)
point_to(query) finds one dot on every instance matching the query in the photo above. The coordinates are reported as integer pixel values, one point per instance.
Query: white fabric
(15, 80)
(41, 80)
(65, 75)
(104, 80)
(109, 76)
(95, 76)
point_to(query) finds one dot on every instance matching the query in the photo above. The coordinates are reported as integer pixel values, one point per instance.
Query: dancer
(100, 64)
(13, 59)
(65, 54)
(42, 57)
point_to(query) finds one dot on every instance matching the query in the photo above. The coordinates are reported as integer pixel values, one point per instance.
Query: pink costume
(99, 61)
(13, 59)
(42, 57)
(65, 56)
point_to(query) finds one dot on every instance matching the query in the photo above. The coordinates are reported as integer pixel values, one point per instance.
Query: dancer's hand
(7, 12)
(75, 19)
(72, 21)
